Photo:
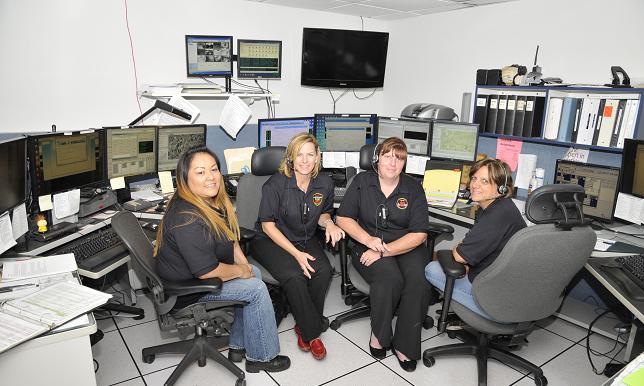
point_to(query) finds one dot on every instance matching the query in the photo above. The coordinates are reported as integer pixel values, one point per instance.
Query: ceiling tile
(308, 4)
(406, 5)
(395, 16)
(361, 10)
(444, 8)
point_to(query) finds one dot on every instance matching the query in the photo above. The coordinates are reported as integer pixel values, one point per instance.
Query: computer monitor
(599, 182)
(65, 161)
(210, 56)
(259, 59)
(633, 167)
(13, 174)
(345, 132)
(172, 141)
(454, 140)
(279, 131)
(415, 133)
(131, 151)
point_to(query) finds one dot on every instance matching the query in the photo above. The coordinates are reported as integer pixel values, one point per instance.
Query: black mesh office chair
(523, 285)
(264, 163)
(354, 288)
(209, 321)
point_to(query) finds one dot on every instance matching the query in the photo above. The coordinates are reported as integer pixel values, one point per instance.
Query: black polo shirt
(493, 227)
(283, 203)
(406, 206)
(189, 249)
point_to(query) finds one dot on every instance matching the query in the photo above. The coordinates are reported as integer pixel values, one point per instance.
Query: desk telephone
(230, 183)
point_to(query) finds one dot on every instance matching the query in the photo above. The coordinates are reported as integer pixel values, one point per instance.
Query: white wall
(68, 62)
(434, 58)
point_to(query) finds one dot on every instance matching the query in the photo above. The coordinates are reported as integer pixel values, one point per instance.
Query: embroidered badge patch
(317, 199)
(402, 203)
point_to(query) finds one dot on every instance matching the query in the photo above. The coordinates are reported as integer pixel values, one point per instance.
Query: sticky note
(44, 202)
(165, 179)
(117, 183)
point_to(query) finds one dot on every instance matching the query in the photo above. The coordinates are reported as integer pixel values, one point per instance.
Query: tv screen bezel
(214, 74)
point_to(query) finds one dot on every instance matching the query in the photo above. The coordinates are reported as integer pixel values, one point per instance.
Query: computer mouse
(159, 208)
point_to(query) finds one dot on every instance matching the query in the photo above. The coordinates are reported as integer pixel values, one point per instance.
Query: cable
(362, 21)
(96, 367)
(638, 235)
(367, 97)
(597, 353)
(336, 99)
(136, 79)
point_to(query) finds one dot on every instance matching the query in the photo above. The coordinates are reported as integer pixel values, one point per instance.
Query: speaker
(466, 107)
(481, 77)
(493, 77)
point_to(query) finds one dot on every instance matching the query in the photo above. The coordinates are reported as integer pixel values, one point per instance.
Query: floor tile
(211, 374)
(114, 361)
(132, 382)
(373, 374)
(334, 303)
(542, 346)
(563, 328)
(143, 301)
(342, 358)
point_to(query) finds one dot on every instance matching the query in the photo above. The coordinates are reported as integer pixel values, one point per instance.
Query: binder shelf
(583, 117)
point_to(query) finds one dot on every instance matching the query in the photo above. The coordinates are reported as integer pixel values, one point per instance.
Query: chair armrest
(435, 229)
(451, 267)
(192, 286)
(246, 234)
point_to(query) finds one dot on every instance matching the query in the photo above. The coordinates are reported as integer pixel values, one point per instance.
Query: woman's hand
(303, 260)
(369, 257)
(246, 271)
(333, 233)
(376, 244)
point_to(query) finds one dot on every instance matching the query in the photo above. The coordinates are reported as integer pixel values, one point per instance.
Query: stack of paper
(441, 186)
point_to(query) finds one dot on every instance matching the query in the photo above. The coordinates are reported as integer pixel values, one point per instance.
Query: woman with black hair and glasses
(199, 238)
(295, 201)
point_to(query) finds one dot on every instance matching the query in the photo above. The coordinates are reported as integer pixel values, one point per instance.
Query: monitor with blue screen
(345, 132)
(279, 131)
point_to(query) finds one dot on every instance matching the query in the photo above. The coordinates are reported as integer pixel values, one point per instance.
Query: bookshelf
(553, 115)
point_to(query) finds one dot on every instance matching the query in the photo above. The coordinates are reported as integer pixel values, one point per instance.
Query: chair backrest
(127, 227)
(366, 157)
(526, 282)
(264, 163)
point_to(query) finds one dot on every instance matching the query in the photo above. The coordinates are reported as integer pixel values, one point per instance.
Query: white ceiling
(383, 9)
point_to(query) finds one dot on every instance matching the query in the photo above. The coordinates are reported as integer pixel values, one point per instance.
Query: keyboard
(633, 267)
(96, 250)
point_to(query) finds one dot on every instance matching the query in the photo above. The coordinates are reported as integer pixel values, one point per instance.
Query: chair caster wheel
(540, 381)
(428, 322)
(335, 324)
(429, 361)
(349, 301)
(201, 362)
(240, 382)
(451, 334)
(148, 358)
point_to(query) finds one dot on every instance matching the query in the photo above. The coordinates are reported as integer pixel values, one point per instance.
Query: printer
(428, 111)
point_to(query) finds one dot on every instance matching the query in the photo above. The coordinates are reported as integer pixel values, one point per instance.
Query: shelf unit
(483, 94)
(168, 91)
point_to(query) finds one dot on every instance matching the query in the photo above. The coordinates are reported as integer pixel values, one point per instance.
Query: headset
(289, 163)
(503, 189)
(375, 157)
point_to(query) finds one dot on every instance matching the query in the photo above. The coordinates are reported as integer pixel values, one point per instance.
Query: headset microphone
(305, 213)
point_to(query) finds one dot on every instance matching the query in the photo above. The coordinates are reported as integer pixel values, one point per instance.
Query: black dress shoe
(236, 354)
(409, 365)
(279, 363)
(378, 353)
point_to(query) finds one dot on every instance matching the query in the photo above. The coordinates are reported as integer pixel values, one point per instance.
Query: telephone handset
(230, 183)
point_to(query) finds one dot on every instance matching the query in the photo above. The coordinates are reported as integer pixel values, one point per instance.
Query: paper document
(238, 160)
(334, 159)
(527, 164)
(508, 151)
(39, 266)
(117, 183)
(145, 194)
(416, 164)
(66, 203)
(15, 330)
(6, 233)
(165, 180)
(234, 115)
(629, 208)
(352, 158)
(441, 186)
(182, 104)
(44, 202)
(577, 155)
(19, 221)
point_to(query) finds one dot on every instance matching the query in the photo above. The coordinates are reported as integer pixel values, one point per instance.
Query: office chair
(210, 321)
(523, 285)
(264, 163)
(354, 288)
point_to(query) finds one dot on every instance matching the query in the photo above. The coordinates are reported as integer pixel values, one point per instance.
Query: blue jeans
(254, 327)
(462, 288)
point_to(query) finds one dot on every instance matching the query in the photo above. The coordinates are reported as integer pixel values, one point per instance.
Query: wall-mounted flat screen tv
(343, 58)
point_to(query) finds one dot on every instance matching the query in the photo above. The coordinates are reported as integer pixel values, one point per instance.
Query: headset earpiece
(375, 156)
(503, 189)
(289, 163)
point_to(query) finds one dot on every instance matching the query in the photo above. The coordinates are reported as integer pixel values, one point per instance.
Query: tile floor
(557, 346)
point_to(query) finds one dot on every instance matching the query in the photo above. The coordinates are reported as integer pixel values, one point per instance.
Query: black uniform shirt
(283, 203)
(406, 206)
(189, 249)
(492, 229)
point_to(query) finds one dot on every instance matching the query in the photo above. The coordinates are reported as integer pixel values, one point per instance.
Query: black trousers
(305, 296)
(397, 286)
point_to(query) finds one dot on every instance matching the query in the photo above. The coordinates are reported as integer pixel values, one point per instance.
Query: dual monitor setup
(349, 132)
(58, 162)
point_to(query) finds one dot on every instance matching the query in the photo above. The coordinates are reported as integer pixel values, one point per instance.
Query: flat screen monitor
(259, 59)
(13, 174)
(65, 161)
(172, 141)
(415, 133)
(131, 151)
(345, 132)
(209, 56)
(343, 58)
(279, 131)
(633, 167)
(454, 141)
(600, 184)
